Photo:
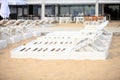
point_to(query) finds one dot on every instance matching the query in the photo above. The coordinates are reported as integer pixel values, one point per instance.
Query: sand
(34, 69)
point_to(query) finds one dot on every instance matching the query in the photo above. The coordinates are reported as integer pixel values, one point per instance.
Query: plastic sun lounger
(25, 31)
(7, 35)
(93, 46)
(18, 22)
(94, 29)
(95, 33)
(37, 49)
(9, 23)
(3, 44)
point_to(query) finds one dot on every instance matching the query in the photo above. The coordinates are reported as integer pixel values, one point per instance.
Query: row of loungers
(84, 20)
(12, 31)
(87, 44)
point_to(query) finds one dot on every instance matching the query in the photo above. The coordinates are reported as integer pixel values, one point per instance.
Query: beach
(37, 69)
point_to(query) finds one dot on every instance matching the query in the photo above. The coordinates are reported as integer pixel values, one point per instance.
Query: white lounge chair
(8, 36)
(24, 32)
(3, 44)
(92, 37)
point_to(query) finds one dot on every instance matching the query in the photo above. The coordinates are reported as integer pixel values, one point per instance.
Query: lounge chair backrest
(5, 31)
(102, 26)
(94, 36)
(87, 41)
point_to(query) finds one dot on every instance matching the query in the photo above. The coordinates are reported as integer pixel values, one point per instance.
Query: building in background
(50, 8)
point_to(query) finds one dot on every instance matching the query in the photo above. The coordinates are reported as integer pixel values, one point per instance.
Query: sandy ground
(33, 69)
(113, 26)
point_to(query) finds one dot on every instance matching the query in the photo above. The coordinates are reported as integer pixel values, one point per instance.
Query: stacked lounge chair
(77, 45)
